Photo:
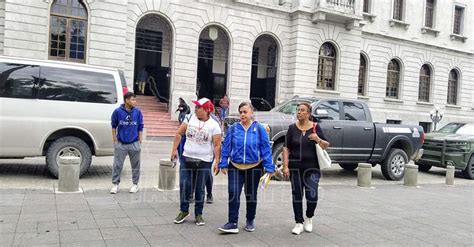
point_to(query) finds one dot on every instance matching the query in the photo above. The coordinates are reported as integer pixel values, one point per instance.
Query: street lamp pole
(436, 115)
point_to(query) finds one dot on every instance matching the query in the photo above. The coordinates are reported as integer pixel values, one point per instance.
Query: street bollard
(167, 175)
(69, 167)
(450, 175)
(411, 175)
(364, 175)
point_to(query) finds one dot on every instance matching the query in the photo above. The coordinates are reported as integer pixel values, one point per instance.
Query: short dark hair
(246, 103)
(308, 106)
(128, 96)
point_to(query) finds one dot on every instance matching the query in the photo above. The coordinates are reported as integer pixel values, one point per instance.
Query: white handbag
(323, 157)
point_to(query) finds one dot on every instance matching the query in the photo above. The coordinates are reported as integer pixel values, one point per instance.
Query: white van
(55, 109)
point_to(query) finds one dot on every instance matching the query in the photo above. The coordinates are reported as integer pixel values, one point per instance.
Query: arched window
(393, 79)
(362, 75)
(327, 67)
(453, 83)
(68, 31)
(424, 84)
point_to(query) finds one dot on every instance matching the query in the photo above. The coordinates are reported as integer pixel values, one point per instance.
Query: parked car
(54, 109)
(451, 145)
(354, 138)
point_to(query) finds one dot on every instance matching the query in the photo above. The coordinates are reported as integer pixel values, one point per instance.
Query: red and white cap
(205, 104)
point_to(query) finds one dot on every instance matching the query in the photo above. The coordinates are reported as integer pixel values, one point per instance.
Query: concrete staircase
(157, 120)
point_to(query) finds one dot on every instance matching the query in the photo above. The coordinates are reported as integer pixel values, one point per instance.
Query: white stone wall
(26, 29)
(111, 42)
(2, 24)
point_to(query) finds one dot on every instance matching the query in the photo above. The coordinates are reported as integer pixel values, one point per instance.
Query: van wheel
(468, 172)
(349, 167)
(393, 167)
(277, 156)
(68, 146)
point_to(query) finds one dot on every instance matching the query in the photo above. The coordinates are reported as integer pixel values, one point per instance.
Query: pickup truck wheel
(393, 167)
(468, 172)
(423, 168)
(278, 161)
(68, 146)
(349, 167)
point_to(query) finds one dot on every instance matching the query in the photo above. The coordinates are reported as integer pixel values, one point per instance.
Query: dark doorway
(153, 44)
(212, 64)
(264, 71)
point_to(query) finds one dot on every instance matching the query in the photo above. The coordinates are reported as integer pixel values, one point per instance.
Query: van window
(19, 81)
(77, 85)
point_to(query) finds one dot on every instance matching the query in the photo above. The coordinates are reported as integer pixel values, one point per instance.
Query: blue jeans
(237, 178)
(186, 179)
(304, 182)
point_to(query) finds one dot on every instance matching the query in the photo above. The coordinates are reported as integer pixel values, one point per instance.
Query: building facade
(402, 57)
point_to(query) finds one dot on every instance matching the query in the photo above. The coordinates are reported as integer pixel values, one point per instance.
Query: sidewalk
(389, 215)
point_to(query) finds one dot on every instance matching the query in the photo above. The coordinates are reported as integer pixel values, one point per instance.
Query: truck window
(354, 111)
(332, 107)
(77, 85)
(19, 81)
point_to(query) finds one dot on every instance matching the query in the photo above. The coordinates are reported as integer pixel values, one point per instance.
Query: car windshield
(450, 128)
(467, 129)
(289, 107)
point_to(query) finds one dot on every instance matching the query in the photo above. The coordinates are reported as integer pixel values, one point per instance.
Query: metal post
(69, 168)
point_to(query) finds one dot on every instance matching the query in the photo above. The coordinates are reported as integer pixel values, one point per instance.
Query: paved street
(389, 214)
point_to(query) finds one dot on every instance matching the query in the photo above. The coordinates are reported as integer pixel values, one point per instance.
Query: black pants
(304, 182)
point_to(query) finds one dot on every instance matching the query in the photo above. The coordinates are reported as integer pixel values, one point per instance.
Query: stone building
(402, 57)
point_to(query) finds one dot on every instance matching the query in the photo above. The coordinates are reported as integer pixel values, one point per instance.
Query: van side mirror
(320, 114)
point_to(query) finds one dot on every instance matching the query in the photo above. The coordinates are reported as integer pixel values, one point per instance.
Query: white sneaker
(115, 189)
(298, 229)
(134, 188)
(308, 224)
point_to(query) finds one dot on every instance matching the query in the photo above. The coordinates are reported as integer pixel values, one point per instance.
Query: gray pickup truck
(354, 138)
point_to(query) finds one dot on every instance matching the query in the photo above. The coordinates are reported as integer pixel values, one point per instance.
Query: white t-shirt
(199, 138)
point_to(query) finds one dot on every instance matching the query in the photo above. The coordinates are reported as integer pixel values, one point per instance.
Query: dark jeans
(209, 182)
(237, 178)
(186, 179)
(304, 182)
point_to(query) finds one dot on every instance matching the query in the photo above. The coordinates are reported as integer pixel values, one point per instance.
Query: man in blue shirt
(127, 129)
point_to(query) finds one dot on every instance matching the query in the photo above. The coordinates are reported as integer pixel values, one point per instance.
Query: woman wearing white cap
(203, 145)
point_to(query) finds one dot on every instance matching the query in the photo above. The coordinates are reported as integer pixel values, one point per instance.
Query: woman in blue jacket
(246, 155)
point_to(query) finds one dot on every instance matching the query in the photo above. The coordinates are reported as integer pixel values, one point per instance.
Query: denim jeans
(237, 178)
(209, 182)
(186, 179)
(304, 182)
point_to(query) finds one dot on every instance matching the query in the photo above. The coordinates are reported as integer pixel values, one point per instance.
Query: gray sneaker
(200, 220)
(181, 217)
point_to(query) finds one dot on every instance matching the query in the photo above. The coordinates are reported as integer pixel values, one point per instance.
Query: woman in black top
(300, 164)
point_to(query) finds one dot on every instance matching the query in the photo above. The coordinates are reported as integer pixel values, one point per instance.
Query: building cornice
(384, 36)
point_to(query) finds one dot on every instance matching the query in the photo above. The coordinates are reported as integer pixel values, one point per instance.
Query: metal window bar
(361, 84)
(393, 73)
(398, 10)
(458, 15)
(255, 54)
(452, 88)
(342, 3)
(429, 16)
(206, 49)
(424, 86)
(149, 40)
(366, 6)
